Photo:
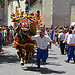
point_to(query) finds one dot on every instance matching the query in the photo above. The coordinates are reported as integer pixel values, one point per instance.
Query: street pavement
(9, 64)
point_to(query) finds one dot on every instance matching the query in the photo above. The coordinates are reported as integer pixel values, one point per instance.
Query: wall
(1, 16)
(62, 12)
(45, 10)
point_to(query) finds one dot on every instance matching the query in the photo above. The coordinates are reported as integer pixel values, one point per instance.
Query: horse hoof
(22, 62)
(25, 61)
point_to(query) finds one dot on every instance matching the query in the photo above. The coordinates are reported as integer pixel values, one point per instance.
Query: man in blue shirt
(51, 33)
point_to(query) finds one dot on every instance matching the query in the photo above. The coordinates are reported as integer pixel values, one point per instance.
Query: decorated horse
(23, 44)
(26, 25)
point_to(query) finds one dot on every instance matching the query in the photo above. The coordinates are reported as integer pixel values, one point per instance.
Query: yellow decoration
(38, 21)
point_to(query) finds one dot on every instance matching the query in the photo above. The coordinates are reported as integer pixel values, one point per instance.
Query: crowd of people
(6, 36)
(63, 37)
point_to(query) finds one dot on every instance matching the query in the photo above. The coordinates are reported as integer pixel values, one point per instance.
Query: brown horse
(23, 45)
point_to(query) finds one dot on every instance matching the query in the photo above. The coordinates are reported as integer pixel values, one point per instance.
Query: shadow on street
(44, 70)
(6, 58)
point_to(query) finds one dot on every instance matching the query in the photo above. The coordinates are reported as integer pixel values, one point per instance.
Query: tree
(2, 3)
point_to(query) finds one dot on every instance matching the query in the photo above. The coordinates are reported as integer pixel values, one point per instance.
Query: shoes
(37, 68)
(62, 54)
(73, 62)
(44, 63)
(67, 61)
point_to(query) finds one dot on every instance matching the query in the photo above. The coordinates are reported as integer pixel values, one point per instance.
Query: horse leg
(27, 52)
(19, 54)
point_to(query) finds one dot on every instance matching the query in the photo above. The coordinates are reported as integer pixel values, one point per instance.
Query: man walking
(61, 38)
(42, 42)
(71, 46)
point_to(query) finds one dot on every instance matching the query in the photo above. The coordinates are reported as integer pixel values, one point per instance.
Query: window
(30, 2)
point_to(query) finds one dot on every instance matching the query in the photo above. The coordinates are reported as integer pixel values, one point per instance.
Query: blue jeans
(41, 54)
(71, 53)
(47, 53)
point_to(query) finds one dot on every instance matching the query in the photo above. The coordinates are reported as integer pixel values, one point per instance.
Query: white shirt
(41, 42)
(37, 32)
(10, 32)
(61, 36)
(72, 31)
(13, 33)
(5, 33)
(71, 39)
(45, 34)
(66, 36)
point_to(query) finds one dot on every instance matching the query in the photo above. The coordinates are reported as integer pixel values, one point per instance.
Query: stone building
(1, 16)
(35, 5)
(45, 8)
(4, 14)
(63, 12)
(56, 12)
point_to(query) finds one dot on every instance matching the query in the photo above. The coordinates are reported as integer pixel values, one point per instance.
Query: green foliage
(8, 2)
(18, 3)
(1, 3)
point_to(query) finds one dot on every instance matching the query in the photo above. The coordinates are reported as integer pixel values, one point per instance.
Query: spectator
(0, 39)
(70, 47)
(56, 38)
(51, 33)
(5, 36)
(61, 38)
(8, 34)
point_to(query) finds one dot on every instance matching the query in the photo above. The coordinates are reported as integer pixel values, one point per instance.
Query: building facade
(1, 16)
(4, 13)
(56, 12)
(63, 12)
(45, 8)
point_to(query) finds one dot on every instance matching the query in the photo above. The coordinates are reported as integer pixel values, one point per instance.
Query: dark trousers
(62, 47)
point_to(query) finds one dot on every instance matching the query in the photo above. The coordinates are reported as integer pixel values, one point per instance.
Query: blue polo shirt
(52, 33)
